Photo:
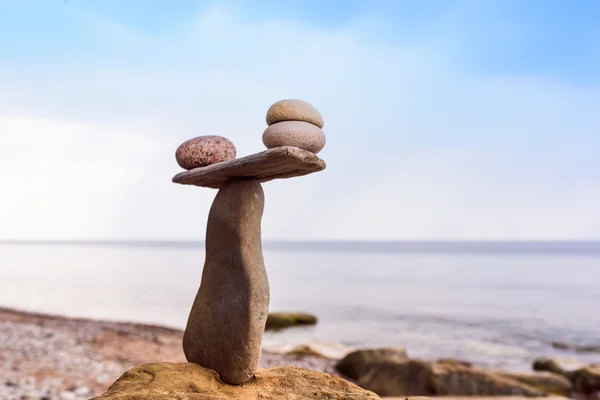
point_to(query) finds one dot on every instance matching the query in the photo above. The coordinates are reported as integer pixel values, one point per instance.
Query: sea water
(494, 304)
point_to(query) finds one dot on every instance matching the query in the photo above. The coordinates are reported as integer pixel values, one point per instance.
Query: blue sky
(538, 36)
(445, 119)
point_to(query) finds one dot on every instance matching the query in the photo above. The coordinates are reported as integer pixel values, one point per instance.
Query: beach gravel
(57, 358)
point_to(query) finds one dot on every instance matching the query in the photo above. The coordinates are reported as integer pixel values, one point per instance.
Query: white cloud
(418, 147)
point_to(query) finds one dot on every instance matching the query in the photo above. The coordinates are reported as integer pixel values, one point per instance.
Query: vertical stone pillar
(227, 321)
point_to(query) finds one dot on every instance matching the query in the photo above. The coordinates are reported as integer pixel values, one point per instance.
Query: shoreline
(54, 357)
(33, 316)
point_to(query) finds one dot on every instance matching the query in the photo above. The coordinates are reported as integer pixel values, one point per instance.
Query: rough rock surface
(276, 163)
(204, 150)
(280, 320)
(356, 362)
(294, 110)
(187, 381)
(419, 378)
(227, 321)
(294, 133)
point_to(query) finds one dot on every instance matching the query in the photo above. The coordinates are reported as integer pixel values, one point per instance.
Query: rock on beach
(355, 363)
(280, 320)
(586, 380)
(421, 378)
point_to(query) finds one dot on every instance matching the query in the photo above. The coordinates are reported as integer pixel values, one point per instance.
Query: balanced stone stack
(228, 317)
(227, 320)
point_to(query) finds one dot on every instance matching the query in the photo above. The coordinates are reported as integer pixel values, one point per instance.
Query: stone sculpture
(227, 320)
(223, 337)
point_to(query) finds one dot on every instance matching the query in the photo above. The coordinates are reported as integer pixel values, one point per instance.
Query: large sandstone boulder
(188, 381)
(420, 378)
(354, 364)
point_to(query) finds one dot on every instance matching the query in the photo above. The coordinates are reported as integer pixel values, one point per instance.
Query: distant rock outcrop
(577, 348)
(280, 320)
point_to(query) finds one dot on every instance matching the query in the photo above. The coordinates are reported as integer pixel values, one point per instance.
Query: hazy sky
(444, 119)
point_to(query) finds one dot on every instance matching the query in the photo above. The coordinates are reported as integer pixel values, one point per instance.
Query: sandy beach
(56, 358)
(49, 357)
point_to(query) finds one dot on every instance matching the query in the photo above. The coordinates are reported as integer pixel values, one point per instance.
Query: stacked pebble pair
(290, 123)
(294, 123)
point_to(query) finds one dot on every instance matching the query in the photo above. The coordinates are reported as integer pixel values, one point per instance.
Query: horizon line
(118, 240)
(508, 247)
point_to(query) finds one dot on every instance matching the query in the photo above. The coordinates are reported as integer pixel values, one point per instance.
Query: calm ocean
(495, 304)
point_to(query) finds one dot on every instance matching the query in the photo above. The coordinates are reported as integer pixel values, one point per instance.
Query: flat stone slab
(275, 163)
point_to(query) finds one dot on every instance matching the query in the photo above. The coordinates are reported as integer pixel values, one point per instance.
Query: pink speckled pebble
(295, 133)
(204, 150)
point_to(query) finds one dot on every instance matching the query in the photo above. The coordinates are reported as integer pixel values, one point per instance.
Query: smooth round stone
(204, 150)
(294, 110)
(294, 133)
